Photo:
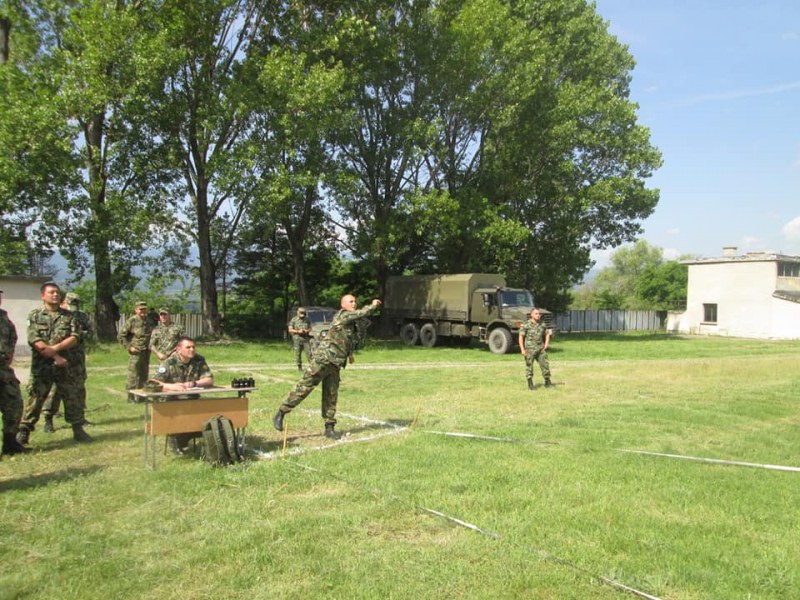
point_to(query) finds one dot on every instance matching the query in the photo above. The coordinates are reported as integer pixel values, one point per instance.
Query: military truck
(429, 309)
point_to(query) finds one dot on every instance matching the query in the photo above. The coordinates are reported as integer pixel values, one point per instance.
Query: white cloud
(791, 231)
(673, 231)
(745, 93)
(790, 35)
(670, 253)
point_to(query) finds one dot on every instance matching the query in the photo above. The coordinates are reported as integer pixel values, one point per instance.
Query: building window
(788, 269)
(709, 313)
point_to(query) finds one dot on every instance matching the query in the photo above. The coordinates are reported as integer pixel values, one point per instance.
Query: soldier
(534, 340)
(300, 329)
(183, 370)
(10, 396)
(135, 336)
(165, 336)
(76, 356)
(332, 354)
(52, 331)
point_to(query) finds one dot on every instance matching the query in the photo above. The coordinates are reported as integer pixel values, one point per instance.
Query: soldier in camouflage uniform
(300, 329)
(165, 336)
(10, 396)
(76, 357)
(534, 340)
(332, 354)
(52, 331)
(135, 336)
(184, 370)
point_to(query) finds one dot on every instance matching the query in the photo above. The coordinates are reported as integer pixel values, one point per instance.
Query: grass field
(453, 481)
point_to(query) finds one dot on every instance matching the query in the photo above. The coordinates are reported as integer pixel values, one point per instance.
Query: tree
(665, 286)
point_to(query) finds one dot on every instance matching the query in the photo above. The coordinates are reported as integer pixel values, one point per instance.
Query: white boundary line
(718, 461)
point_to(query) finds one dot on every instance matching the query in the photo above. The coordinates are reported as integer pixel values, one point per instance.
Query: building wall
(742, 291)
(20, 296)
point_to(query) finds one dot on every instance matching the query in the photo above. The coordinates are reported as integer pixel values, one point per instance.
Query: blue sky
(718, 84)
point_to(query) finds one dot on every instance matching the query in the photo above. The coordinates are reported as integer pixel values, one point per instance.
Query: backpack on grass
(220, 444)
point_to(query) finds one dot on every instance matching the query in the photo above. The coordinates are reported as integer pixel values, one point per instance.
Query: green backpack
(220, 444)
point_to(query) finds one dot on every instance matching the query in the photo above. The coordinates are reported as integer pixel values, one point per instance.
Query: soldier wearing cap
(165, 336)
(300, 330)
(76, 356)
(52, 332)
(10, 396)
(135, 336)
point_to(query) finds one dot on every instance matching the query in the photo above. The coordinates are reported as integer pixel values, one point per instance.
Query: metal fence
(576, 321)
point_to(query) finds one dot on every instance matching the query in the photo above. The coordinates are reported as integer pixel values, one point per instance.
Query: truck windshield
(516, 298)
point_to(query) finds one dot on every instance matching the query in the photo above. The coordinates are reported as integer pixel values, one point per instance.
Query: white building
(755, 295)
(20, 296)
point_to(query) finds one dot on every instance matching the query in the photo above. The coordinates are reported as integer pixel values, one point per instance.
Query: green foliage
(664, 287)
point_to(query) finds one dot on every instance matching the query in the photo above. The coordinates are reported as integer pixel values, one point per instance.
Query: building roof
(744, 258)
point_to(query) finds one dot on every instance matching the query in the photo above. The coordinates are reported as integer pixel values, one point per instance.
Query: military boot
(11, 445)
(277, 420)
(174, 446)
(548, 383)
(23, 436)
(48, 424)
(330, 432)
(530, 384)
(79, 435)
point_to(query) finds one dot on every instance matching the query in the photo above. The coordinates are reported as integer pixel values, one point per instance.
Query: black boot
(11, 445)
(277, 420)
(48, 424)
(23, 435)
(530, 383)
(329, 431)
(79, 435)
(174, 446)
(548, 383)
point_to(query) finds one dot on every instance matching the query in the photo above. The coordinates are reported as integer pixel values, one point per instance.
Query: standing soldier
(76, 357)
(165, 336)
(332, 355)
(135, 336)
(300, 329)
(52, 331)
(534, 340)
(10, 397)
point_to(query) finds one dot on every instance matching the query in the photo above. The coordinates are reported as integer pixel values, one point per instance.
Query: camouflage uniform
(345, 335)
(301, 342)
(165, 337)
(534, 336)
(136, 333)
(53, 327)
(76, 357)
(173, 370)
(10, 396)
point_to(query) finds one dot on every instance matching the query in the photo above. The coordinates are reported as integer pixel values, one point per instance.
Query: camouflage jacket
(173, 370)
(533, 333)
(50, 327)
(8, 340)
(165, 337)
(300, 323)
(344, 336)
(135, 332)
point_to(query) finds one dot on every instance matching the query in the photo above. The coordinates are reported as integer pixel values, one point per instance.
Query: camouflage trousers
(138, 369)
(538, 354)
(10, 401)
(71, 387)
(54, 400)
(315, 373)
(301, 345)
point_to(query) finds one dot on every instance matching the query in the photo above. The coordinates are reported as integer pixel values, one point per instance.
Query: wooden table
(167, 413)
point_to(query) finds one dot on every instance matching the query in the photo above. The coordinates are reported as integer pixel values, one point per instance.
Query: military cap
(163, 311)
(301, 311)
(141, 305)
(73, 298)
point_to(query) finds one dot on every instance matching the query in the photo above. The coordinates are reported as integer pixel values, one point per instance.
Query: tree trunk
(208, 269)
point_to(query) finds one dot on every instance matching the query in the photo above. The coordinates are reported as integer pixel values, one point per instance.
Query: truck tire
(500, 340)
(409, 333)
(428, 336)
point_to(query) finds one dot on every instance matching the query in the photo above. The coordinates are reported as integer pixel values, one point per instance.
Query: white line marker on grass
(715, 460)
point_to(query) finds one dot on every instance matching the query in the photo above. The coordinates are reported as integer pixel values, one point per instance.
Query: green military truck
(428, 309)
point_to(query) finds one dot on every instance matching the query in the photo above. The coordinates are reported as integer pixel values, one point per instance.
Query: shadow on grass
(35, 481)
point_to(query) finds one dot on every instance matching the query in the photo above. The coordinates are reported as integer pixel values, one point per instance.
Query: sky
(718, 85)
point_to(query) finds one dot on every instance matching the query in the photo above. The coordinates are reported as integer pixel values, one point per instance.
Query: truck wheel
(500, 341)
(428, 336)
(409, 333)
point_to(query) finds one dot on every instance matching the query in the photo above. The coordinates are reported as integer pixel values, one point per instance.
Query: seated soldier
(183, 370)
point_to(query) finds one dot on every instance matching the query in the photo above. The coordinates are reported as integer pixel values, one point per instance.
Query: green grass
(563, 503)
